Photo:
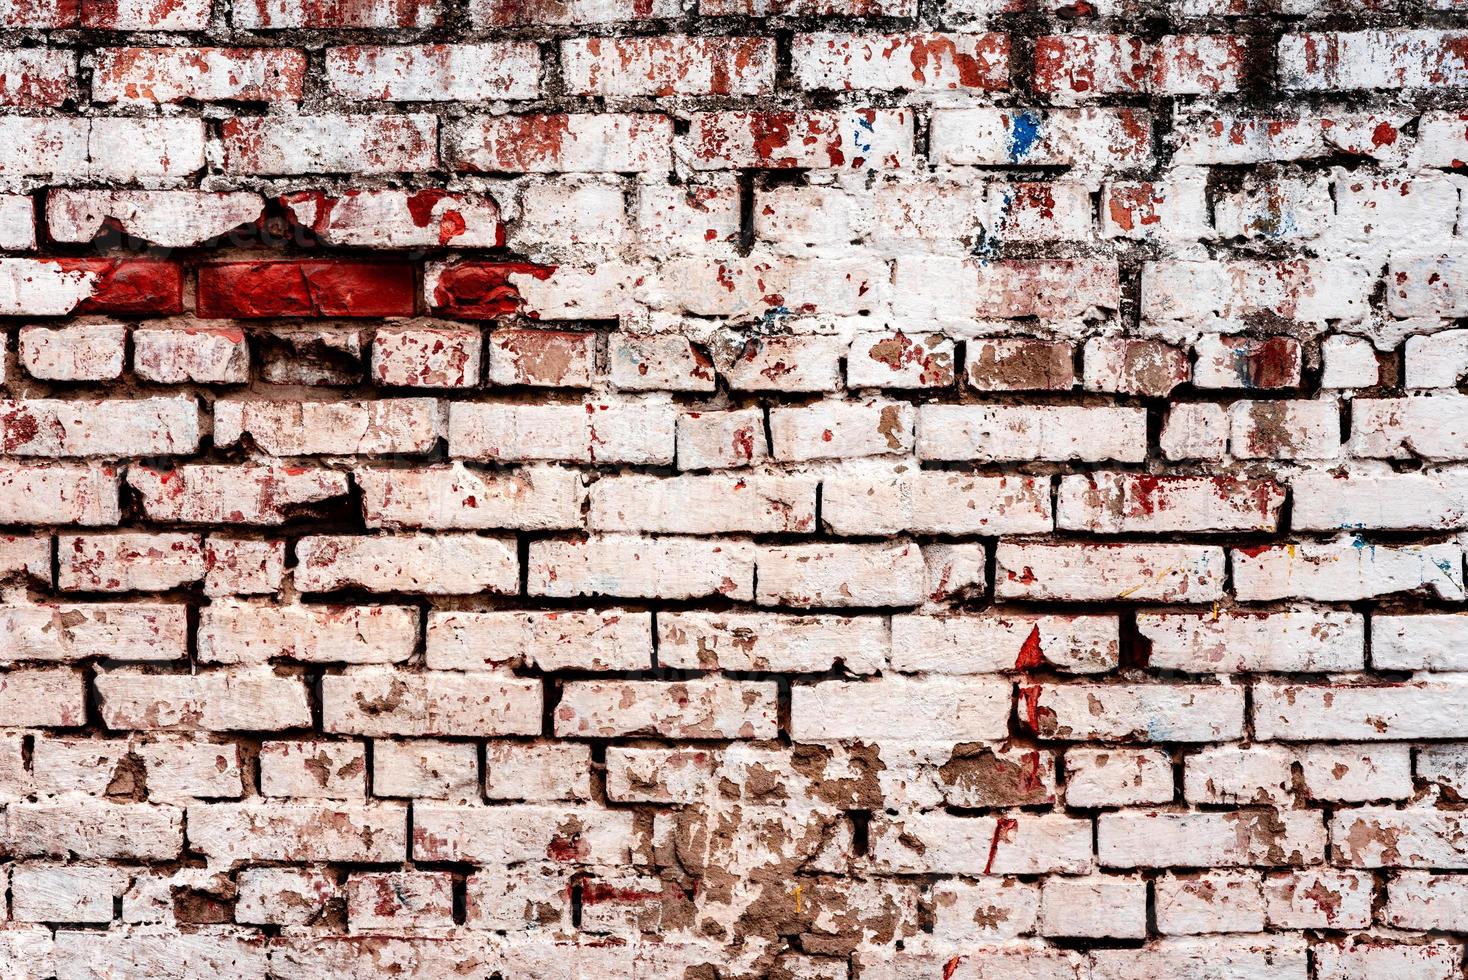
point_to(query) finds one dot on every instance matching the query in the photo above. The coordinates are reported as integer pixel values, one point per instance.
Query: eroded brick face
(733, 489)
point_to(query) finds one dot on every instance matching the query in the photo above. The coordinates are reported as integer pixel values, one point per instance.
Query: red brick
(281, 14)
(855, 138)
(251, 290)
(481, 290)
(560, 143)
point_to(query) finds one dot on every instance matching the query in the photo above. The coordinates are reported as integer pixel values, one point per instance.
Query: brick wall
(710, 489)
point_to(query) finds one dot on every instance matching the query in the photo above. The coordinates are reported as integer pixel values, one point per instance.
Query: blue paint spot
(862, 135)
(774, 313)
(1444, 566)
(1024, 133)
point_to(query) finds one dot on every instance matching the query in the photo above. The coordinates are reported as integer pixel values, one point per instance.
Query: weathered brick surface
(736, 489)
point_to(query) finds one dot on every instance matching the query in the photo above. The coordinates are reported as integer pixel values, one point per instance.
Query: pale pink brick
(445, 564)
(634, 566)
(576, 13)
(1095, 906)
(957, 291)
(1285, 429)
(616, 639)
(996, 908)
(537, 771)
(84, 352)
(891, 500)
(1298, 639)
(1118, 503)
(834, 430)
(922, 62)
(1136, 712)
(1346, 570)
(1089, 139)
(1172, 210)
(1396, 59)
(597, 431)
(1421, 900)
(937, 842)
(174, 355)
(988, 643)
(794, 363)
(578, 143)
(239, 700)
(284, 895)
(435, 72)
(1345, 959)
(357, 144)
(1318, 899)
(94, 829)
(115, 427)
(43, 698)
(669, 65)
(715, 708)
(658, 362)
(235, 833)
(137, 15)
(22, 556)
(1008, 433)
(1117, 777)
(242, 633)
(309, 428)
(17, 222)
(1136, 572)
(1212, 293)
(754, 503)
(500, 835)
(531, 498)
(36, 78)
(946, 709)
(239, 566)
(1230, 138)
(59, 494)
(172, 219)
(771, 641)
(380, 701)
(759, 284)
(841, 575)
(895, 360)
(1195, 430)
(51, 893)
(128, 562)
(389, 218)
(721, 440)
(1241, 838)
(692, 217)
(233, 494)
(389, 900)
(426, 357)
(72, 631)
(543, 358)
(1239, 775)
(320, 770)
(422, 768)
(1356, 773)
(855, 138)
(1316, 712)
(149, 76)
(1133, 367)
(1384, 837)
(254, 15)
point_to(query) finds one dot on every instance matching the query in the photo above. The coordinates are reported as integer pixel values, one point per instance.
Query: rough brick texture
(733, 489)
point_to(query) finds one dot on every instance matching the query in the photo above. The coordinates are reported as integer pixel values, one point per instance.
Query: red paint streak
(1003, 827)
(1031, 655)
(482, 290)
(951, 967)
